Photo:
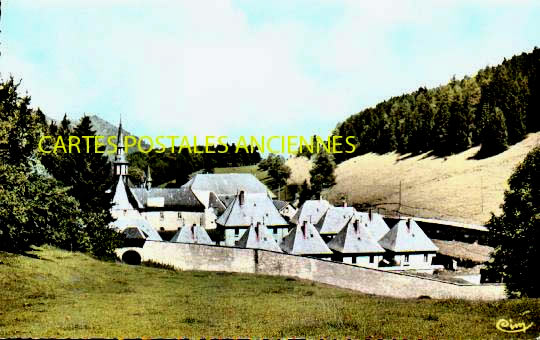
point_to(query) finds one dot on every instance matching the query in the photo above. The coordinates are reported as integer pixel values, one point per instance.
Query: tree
(277, 170)
(515, 234)
(494, 136)
(88, 176)
(34, 207)
(322, 173)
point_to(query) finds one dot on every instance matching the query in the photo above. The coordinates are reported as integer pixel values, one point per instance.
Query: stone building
(305, 240)
(354, 244)
(408, 246)
(200, 201)
(246, 209)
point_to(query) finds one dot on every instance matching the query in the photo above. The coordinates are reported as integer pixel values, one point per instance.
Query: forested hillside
(175, 167)
(495, 108)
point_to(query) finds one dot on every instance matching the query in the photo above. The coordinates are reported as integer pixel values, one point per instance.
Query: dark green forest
(495, 108)
(58, 199)
(177, 166)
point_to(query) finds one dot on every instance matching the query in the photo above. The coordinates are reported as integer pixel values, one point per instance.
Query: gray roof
(134, 232)
(304, 239)
(376, 224)
(334, 219)
(167, 199)
(193, 234)
(279, 204)
(258, 237)
(407, 236)
(228, 184)
(123, 223)
(120, 199)
(355, 238)
(216, 203)
(311, 211)
(256, 207)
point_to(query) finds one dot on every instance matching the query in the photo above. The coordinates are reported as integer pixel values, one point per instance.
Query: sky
(244, 67)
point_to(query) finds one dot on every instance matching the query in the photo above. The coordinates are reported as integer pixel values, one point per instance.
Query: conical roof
(334, 219)
(375, 224)
(304, 239)
(149, 232)
(192, 234)
(407, 236)
(247, 207)
(120, 199)
(355, 238)
(258, 237)
(311, 211)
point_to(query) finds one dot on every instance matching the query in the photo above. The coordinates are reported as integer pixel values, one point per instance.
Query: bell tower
(120, 161)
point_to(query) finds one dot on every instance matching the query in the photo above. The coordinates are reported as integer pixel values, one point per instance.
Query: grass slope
(455, 187)
(63, 294)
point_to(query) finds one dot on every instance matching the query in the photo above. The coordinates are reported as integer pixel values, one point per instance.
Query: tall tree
(322, 173)
(516, 233)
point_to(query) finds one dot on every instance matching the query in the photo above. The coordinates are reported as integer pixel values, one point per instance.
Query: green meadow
(54, 293)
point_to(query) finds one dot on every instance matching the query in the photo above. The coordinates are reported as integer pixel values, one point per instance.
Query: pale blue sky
(248, 67)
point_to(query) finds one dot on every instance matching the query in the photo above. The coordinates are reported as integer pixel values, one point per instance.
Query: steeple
(148, 181)
(120, 161)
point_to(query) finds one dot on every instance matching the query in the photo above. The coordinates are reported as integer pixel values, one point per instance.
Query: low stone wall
(366, 280)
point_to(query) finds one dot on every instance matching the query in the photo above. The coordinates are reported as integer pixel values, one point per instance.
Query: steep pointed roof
(311, 211)
(120, 157)
(148, 174)
(375, 224)
(256, 207)
(192, 234)
(407, 236)
(258, 237)
(304, 239)
(148, 231)
(120, 135)
(334, 219)
(355, 238)
(120, 199)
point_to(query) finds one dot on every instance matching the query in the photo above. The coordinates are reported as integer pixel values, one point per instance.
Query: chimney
(304, 229)
(241, 197)
(344, 202)
(257, 230)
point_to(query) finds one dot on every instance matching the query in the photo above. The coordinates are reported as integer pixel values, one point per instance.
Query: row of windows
(371, 259)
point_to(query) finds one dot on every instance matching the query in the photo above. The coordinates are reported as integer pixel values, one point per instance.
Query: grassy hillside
(61, 294)
(455, 187)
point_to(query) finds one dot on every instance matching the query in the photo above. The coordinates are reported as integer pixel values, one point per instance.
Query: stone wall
(366, 280)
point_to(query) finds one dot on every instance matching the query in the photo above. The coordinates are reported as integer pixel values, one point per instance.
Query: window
(406, 258)
(162, 229)
(236, 231)
(425, 257)
(275, 231)
(179, 215)
(353, 259)
(371, 259)
(161, 215)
